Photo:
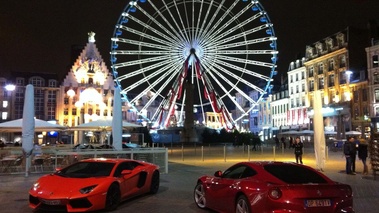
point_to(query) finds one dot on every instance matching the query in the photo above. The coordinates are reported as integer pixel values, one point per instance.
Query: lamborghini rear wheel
(113, 197)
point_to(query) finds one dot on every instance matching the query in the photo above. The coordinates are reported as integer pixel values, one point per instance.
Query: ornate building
(87, 90)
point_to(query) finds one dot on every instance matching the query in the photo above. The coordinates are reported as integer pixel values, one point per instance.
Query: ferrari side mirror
(218, 174)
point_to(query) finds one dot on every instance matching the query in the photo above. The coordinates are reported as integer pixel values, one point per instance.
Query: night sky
(37, 35)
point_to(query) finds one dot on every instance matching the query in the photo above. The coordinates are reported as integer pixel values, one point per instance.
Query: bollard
(327, 153)
(182, 153)
(224, 153)
(202, 153)
(248, 152)
(273, 150)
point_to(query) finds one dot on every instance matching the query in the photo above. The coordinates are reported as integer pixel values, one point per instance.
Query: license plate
(318, 203)
(51, 202)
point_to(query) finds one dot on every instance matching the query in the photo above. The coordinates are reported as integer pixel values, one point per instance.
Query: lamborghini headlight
(87, 189)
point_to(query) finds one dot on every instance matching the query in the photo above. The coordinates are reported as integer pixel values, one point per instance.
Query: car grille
(80, 203)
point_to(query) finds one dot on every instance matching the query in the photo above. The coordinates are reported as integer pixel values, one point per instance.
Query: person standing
(362, 154)
(350, 151)
(298, 146)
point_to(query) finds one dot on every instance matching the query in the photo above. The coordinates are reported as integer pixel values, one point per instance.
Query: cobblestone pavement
(187, 164)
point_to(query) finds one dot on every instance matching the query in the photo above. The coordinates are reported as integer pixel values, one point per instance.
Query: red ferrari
(93, 184)
(274, 187)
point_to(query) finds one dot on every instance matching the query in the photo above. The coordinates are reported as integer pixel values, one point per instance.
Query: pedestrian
(350, 151)
(362, 154)
(290, 144)
(298, 146)
(2, 144)
(283, 140)
(276, 141)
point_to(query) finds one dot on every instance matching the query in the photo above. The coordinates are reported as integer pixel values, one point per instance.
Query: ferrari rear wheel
(113, 197)
(154, 183)
(199, 195)
(242, 205)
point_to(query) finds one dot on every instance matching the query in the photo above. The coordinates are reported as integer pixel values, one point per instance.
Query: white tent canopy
(291, 132)
(40, 126)
(102, 125)
(353, 133)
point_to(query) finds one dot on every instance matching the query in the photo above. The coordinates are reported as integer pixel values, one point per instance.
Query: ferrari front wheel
(154, 183)
(113, 197)
(199, 195)
(242, 205)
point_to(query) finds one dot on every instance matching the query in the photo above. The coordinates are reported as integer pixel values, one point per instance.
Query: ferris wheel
(169, 56)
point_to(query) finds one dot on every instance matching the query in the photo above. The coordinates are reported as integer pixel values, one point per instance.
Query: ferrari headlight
(36, 186)
(87, 189)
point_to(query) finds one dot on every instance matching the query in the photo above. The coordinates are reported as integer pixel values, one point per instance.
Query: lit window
(4, 115)
(5, 104)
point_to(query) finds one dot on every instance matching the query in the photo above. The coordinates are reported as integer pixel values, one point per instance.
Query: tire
(113, 198)
(199, 196)
(154, 186)
(242, 205)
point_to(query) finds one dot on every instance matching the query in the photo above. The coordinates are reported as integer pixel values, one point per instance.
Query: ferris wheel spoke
(143, 70)
(226, 80)
(226, 92)
(170, 77)
(248, 61)
(175, 22)
(177, 37)
(142, 61)
(211, 21)
(167, 70)
(247, 52)
(198, 29)
(144, 35)
(140, 43)
(237, 78)
(156, 31)
(243, 43)
(243, 35)
(231, 22)
(219, 21)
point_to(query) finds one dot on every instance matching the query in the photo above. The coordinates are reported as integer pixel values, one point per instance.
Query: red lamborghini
(274, 187)
(93, 184)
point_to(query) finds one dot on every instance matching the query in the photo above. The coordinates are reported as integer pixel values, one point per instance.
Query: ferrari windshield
(87, 169)
(294, 174)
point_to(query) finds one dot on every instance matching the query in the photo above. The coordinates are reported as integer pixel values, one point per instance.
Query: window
(302, 75)
(331, 81)
(321, 68)
(297, 88)
(331, 65)
(364, 95)
(52, 83)
(375, 61)
(37, 81)
(342, 61)
(297, 77)
(303, 87)
(311, 85)
(377, 95)
(356, 96)
(310, 72)
(291, 76)
(376, 77)
(321, 83)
